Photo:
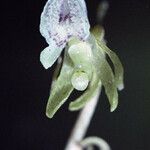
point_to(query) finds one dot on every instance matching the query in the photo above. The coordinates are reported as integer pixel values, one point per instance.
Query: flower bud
(80, 81)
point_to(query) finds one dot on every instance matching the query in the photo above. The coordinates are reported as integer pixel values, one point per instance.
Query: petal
(61, 89)
(49, 25)
(79, 20)
(108, 81)
(62, 19)
(98, 32)
(117, 66)
(49, 55)
(105, 74)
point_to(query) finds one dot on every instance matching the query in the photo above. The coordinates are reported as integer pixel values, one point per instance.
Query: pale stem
(82, 124)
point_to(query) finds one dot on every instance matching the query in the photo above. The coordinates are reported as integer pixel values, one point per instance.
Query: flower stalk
(82, 124)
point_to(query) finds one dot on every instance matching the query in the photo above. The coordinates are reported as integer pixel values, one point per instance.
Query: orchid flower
(86, 69)
(60, 21)
(64, 24)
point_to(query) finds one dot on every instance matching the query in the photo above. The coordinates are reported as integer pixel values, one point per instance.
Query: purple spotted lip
(61, 20)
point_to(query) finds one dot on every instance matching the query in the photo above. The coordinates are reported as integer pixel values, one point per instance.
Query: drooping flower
(60, 21)
(85, 68)
(64, 24)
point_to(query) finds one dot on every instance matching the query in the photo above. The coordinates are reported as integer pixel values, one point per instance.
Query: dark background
(25, 84)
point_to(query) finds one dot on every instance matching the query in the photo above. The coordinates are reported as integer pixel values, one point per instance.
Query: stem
(82, 123)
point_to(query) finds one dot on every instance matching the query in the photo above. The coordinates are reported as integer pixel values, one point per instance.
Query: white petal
(49, 19)
(49, 55)
(79, 20)
(71, 15)
(60, 20)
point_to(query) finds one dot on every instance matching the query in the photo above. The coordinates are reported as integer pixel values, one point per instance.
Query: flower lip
(60, 21)
(71, 15)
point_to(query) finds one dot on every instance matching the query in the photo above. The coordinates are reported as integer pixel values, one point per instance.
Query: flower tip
(113, 106)
(71, 108)
(44, 64)
(49, 115)
(45, 58)
(49, 55)
(49, 112)
(112, 109)
(120, 87)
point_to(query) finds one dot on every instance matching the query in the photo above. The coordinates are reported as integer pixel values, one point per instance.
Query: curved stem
(82, 123)
(100, 143)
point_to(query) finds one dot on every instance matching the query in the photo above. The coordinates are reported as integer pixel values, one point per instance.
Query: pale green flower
(84, 68)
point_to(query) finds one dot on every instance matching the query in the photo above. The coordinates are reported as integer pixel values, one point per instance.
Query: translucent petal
(57, 70)
(49, 55)
(98, 32)
(105, 74)
(62, 19)
(117, 66)
(108, 81)
(61, 88)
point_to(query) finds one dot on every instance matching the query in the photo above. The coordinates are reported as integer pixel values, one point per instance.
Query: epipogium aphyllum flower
(65, 25)
(60, 21)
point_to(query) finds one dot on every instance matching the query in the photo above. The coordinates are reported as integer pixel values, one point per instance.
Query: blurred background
(25, 83)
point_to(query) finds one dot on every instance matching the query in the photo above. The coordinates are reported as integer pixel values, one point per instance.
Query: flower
(85, 68)
(60, 21)
(64, 24)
